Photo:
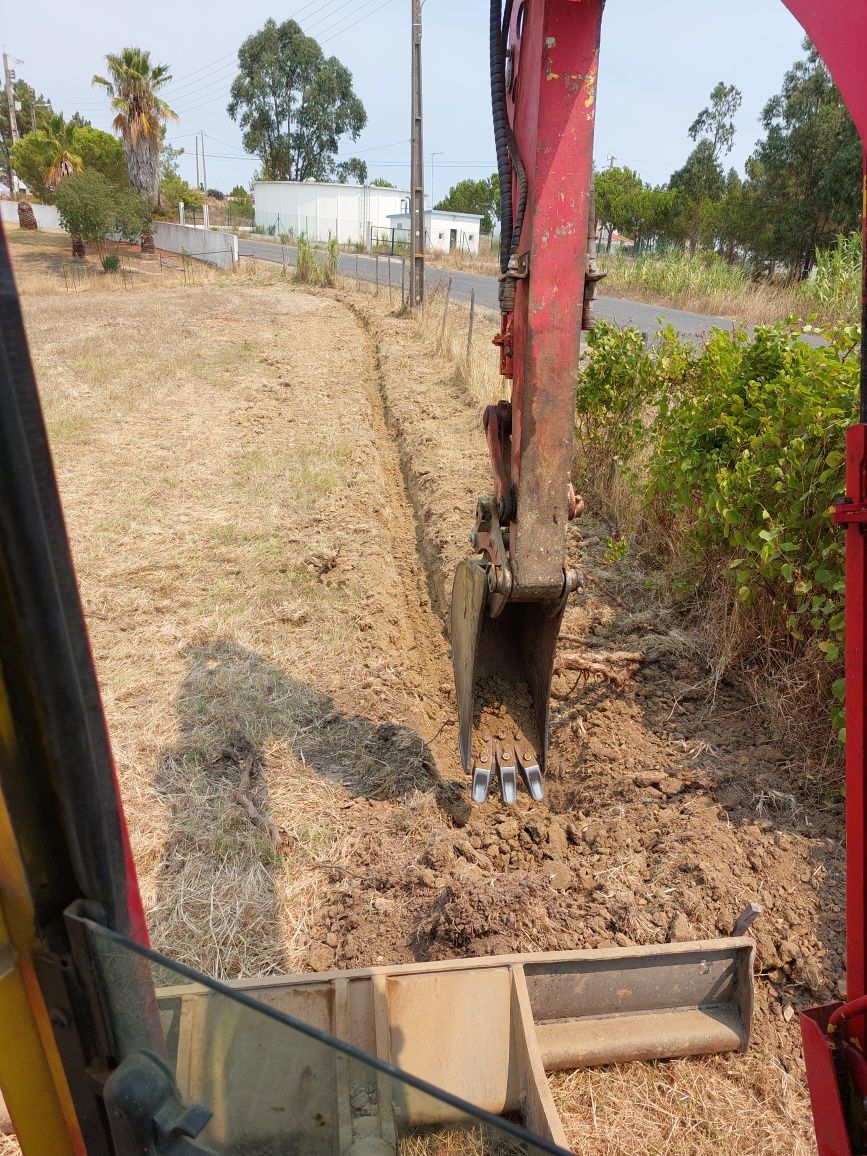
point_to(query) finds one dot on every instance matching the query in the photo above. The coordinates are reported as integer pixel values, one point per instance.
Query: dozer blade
(503, 668)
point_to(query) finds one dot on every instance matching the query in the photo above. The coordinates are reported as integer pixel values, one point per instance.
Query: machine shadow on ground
(238, 712)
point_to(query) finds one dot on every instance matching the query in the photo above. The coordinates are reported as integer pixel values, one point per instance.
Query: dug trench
(266, 513)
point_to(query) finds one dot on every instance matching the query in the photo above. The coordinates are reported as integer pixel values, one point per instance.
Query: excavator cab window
(239, 1076)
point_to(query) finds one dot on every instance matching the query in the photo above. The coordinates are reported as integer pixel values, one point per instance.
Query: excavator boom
(508, 602)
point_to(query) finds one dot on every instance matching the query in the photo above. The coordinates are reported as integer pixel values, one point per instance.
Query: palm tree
(140, 114)
(61, 159)
(60, 149)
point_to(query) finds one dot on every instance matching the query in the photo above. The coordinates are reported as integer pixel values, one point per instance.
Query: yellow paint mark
(591, 81)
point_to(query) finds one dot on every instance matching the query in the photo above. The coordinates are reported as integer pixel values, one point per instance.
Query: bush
(174, 189)
(737, 453)
(750, 459)
(133, 215)
(110, 263)
(86, 205)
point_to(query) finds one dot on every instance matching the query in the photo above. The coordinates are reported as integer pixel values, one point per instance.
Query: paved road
(635, 313)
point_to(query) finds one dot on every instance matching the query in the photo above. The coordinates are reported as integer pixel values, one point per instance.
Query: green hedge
(739, 446)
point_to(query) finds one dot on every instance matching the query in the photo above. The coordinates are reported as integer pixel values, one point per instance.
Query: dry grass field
(266, 491)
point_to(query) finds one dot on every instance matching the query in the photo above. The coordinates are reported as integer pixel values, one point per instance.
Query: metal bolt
(506, 755)
(487, 738)
(483, 758)
(474, 539)
(58, 1017)
(501, 734)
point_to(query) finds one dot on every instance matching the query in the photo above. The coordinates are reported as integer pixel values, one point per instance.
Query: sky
(658, 63)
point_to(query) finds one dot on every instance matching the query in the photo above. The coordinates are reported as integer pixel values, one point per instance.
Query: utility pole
(10, 98)
(416, 201)
(204, 170)
(9, 76)
(198, 178)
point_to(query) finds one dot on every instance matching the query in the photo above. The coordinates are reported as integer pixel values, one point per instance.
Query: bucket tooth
(505, 755)
(530, 768)
(484, 765)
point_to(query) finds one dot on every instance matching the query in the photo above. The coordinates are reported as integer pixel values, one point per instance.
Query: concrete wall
(320, 209)
(46, 216)
(219, 249)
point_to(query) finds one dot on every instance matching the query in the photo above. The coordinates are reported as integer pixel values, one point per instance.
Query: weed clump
(308, 271)
(332, 260)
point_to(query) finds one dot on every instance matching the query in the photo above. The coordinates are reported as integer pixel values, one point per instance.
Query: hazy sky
(659, 61)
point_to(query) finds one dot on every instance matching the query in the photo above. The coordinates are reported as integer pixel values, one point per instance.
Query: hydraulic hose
(518, 219)
(502, 131)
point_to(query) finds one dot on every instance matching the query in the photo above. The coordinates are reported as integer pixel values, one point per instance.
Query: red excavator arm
(508, 599)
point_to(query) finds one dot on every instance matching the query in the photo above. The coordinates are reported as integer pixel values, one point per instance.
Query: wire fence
(79, 276)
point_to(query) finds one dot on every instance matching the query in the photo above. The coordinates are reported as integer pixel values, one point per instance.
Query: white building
(444, 231)
(354, 214)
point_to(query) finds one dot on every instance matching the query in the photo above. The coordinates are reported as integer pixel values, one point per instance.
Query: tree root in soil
(605, 667)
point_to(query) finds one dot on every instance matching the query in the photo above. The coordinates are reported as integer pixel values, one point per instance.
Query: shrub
(750, 458)
(133, 215)
(174, 189)
(110, 263)
(86, 205)
(736, 452)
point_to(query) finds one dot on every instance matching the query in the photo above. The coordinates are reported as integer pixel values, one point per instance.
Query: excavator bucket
(503, 667)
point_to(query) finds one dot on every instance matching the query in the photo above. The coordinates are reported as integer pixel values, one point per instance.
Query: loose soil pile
(267, 494)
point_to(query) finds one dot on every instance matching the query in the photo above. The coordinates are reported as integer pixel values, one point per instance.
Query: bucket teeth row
(505, 756)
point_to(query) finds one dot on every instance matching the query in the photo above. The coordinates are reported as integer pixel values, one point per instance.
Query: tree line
(102, 184)
(800, 191)
(292, 103)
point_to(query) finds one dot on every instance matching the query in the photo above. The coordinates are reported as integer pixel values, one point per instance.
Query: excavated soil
(666, 811)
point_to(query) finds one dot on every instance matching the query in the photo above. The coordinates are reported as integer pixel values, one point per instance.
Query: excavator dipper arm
(507, 605)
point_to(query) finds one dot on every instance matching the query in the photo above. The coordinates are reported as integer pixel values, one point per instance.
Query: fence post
(446, 310)
(470, 329)
(377, 274)
(389, 282)
(402, 280)
(357, 286)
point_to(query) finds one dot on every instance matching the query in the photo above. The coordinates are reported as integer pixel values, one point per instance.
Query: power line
(323, 38)
(320, 20)
(359, 21)
(186, 81)
(202, 83)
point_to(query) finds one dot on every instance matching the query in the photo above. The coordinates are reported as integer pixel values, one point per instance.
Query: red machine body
(550, 50)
